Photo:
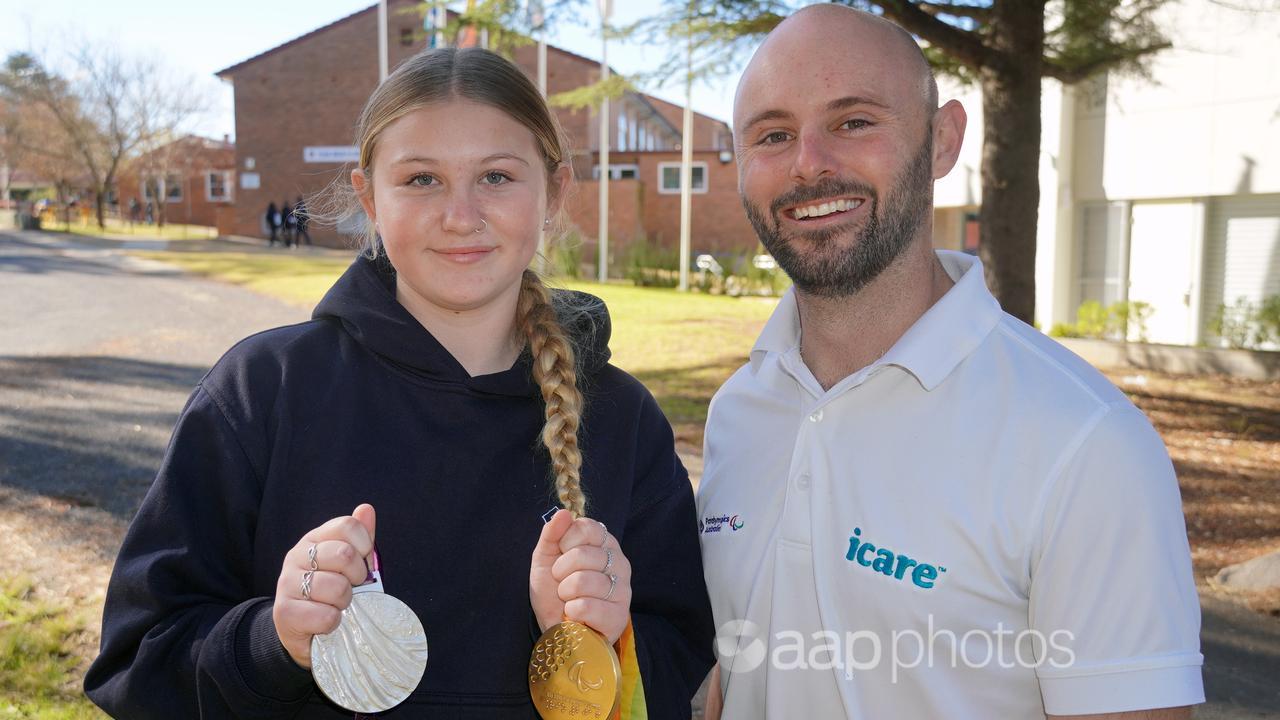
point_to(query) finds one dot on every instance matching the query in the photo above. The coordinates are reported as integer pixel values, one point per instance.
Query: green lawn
(40, 656)
(118, 228)
(681, 345)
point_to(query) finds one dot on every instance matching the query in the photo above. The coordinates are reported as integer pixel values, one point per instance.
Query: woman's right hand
(342, 547)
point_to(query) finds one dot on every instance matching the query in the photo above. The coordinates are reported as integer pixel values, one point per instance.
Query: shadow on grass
(684, 392)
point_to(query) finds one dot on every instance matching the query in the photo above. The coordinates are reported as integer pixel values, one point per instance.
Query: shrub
(1244, 325)
(566, 256)
(1116, 321)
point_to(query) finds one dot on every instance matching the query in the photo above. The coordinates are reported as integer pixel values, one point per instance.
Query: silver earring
(483, 226)
(546, 222)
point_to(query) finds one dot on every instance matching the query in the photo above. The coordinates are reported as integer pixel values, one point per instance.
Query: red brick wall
(636, 208)
(311, 90)
(306, 93)
(191, 159)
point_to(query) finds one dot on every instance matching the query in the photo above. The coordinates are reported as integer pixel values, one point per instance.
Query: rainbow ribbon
(632, 706)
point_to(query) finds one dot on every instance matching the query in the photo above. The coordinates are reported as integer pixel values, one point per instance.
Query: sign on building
(330, 154)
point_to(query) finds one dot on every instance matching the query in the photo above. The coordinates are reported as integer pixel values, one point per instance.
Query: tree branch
(960, 44)
(973, 12)
(1071, 74)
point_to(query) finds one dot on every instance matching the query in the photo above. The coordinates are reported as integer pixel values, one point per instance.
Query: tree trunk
(1011, 154)
(100, 209)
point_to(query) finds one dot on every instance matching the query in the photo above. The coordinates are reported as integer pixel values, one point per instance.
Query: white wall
(1208, 123)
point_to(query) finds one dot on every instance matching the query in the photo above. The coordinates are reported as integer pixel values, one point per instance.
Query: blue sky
(200, 38)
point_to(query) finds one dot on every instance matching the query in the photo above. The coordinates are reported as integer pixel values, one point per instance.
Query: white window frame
(227, 189)
(664, 190)
(615, 171)
(166, 187)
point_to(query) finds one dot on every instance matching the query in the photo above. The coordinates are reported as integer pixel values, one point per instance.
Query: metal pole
(686, 168)
(382, 40)
(604, 152)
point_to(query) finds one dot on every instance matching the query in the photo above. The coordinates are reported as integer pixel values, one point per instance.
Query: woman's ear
(363, 186)
(558, 189)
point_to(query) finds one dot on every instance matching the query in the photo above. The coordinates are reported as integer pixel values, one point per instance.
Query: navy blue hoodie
(300, 424)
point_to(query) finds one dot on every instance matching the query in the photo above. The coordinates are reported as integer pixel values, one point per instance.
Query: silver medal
(376, 656)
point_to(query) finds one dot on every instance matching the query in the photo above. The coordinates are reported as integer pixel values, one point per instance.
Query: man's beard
(826, 269)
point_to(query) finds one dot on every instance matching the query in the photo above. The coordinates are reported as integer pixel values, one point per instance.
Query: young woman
(441, 386)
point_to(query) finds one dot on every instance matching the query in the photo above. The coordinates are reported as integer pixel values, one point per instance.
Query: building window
(1103, 251)
(619, 171)
(172, 188)
(669, 177)
(217, 186)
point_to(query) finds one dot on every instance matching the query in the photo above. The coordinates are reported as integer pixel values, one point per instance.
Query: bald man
(914, 505)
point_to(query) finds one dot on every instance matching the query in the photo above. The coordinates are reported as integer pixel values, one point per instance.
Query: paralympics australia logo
(717, 523)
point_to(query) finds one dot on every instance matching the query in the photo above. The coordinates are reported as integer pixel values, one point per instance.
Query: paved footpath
(98, 353)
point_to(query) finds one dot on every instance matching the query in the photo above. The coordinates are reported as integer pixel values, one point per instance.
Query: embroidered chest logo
(718, 523)
(891, 564)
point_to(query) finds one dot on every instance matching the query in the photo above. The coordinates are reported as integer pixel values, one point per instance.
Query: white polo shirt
(977, 525)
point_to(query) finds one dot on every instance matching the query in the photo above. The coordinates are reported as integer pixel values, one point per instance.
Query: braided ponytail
(556, 375)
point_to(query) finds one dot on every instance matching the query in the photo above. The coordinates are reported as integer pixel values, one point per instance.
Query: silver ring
(311, 555)
(613, 583)
(604, 540)
(608, 560)
(482, 227)
(306, 584)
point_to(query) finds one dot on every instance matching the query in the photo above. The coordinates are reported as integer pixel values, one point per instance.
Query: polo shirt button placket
(816, 417)
(802, 482)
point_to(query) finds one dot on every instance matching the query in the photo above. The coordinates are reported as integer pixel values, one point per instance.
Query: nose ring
(483, 226)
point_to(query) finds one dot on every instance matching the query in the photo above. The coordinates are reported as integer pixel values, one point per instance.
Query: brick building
(296, 106)
(190, 180)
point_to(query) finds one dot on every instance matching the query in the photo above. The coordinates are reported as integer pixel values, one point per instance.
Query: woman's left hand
(579, 572)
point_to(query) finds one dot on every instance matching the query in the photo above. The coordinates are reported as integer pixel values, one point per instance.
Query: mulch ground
(1224, 437)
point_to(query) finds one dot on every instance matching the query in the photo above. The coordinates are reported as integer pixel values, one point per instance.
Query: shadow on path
(88, 430)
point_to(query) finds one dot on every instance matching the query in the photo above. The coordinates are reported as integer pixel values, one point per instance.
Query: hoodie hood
(364, 302)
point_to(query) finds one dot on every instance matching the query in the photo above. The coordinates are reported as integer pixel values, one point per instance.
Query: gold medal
(574, 674)
(376, 656)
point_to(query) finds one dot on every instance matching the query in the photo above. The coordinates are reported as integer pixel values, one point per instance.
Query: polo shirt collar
(933, 346)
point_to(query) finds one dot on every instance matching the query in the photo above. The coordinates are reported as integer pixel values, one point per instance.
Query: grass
(39, 656)
(297, 279)
(681, 345)
(120, 229)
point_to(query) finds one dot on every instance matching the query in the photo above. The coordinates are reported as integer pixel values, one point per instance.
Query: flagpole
(603, 259)
(686, 165)
(382, 40)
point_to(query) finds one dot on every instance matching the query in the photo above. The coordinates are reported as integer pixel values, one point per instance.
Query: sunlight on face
(459, 193)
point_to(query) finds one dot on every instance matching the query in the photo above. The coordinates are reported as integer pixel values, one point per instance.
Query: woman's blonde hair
(481, 76)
